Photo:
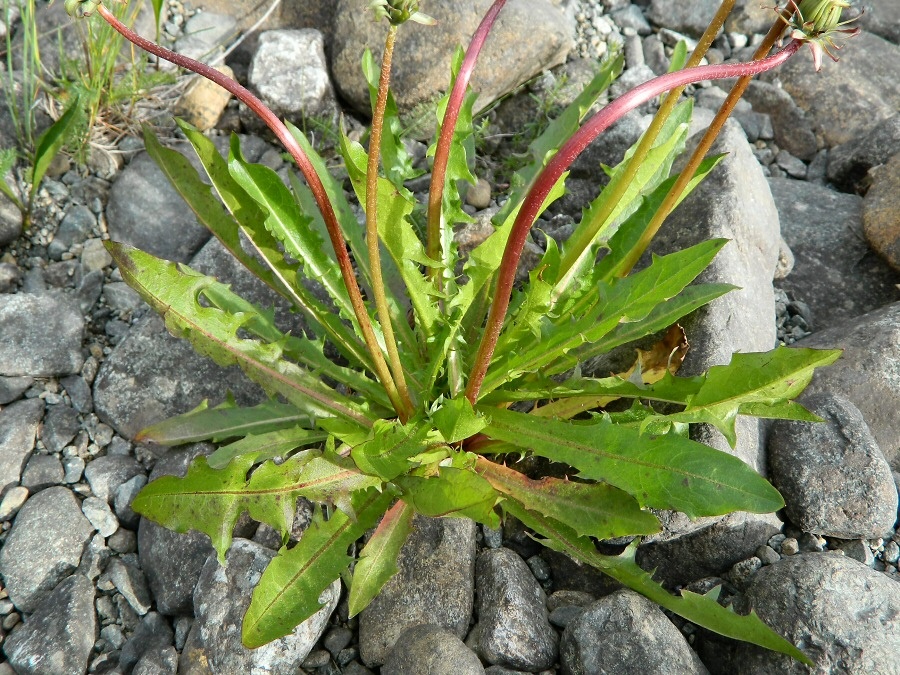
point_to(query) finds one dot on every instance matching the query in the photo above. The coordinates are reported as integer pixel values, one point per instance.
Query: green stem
(372, 240)
(312, 178)
(580, 246)
(712, 132)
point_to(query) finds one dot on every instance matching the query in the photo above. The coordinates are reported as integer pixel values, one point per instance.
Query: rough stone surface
(823, 229)
(203, 103)
(153, 633)
(530, 36)
(206, 34)
(431, 649)
(43, 547)
(60, 426)
(41, 335)
(686, 17)
(58, 638)
(172, 561)
(290, 73)
(867, 82)
(840, 612)
(882, 17)
(18, 427)
(833, 476)
(868, 372)
(11, 388)
(512, 613)
(434, 586)
(849, 162)
(129, 580)
(41, 472)
(106, 473)
(145, 211)
(628, 634)
(220, 600)
(881, 207)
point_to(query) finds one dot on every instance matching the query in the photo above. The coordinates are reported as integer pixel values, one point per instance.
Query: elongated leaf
(702, 610)
(8, 158)
(759, 384)
(288, 591)
(51, 142)
(387, 451)
(290, 227)
(453, 492)
(223, 422)
(175, 294)
(590, 509)
(457, 420)
(268, 445)
(663, 472)
(378, 559)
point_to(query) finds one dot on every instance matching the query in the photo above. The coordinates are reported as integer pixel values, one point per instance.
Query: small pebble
(790, 546)
(12, 502)
(767, 555)
(891, 552)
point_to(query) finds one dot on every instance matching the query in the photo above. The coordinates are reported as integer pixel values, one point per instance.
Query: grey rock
(94, 256)
(75, 227)
(106, 474)
(60, 426)
(12, 388)
(849, 162)
(206, 34)
(833, 476)
(691, 18)
(102, 518)
(12, 501)
(89, 290)
(41, 472)
(43, 547)
(626, 633)
(791, 129)
(867, 79)
(124, 495)
(173, 561)
(220, 600)
(882, 17)
(121, 297)
(9, 274)
(858, 550)
(531, 36)
(129, 580)
(157, 662)
(835, 272)
(41, 335)
(841, 613)
(10, 221)
(434, 586)
(880, 206)
(123, 541)
(512, 613)
(338, 638)
(58, 638)
(152, 634)
(18, 427)
(290, 73)
(631, 16)
(145, 211)
(79, 392)
(95, 557)
(866, 373)
(430, 649)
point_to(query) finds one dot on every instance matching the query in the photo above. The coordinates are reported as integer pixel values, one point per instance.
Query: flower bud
(821, 16)
(400, 11)
(81, 8)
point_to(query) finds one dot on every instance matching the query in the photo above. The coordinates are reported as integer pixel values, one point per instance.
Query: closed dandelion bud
(400, 11)
(822, 15)
(81, 8)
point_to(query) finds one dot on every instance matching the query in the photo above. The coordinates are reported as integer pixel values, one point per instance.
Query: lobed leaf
(387, 451)
(452, 492)
(378, 558)
(457, 420)
(267, 445)
(662, 472)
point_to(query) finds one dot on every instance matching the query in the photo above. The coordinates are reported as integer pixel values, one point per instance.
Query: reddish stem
(305, 166)
(563, 159)
(448, 128)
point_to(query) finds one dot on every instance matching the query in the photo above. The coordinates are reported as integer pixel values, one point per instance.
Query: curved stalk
(575, 249)
(563, 159)
(372, 242)
(709, 137)
(448, 128)
(309, 172)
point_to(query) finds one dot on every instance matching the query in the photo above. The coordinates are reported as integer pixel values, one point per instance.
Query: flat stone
(834, 273)
(60, 426)
(59, 636)
(866, 373)
(866, 78)
(105, 474)
(41, 472)
(206, 34)
(514, 623)
(530, 36)
(129, 580)
(43, 547)
(833, 476)
(431, 649)
(152, 634)
(157, 662)
(840, 612)
(75, 227)
(42, 335)
(141, 188)
(94, 256)
(102, 518)
(173, 561)
(435, 585)
(125, 494)
(880, 208)
(18, 427)
(12, 501)
(12, 388)
(220, 601)
(691, 18)
(628, 634)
